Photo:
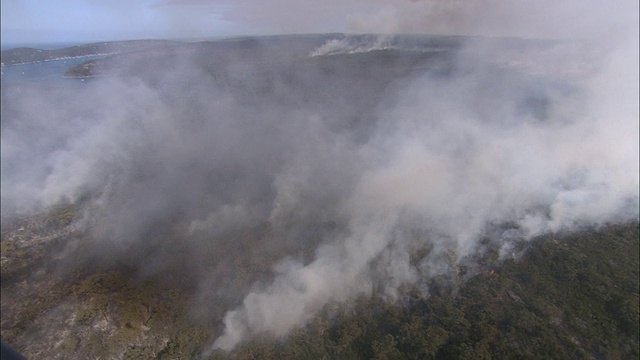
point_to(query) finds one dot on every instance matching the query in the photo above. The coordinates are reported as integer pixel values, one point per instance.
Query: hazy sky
(31, 21)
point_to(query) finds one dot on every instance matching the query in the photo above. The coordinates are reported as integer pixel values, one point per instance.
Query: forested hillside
(568, 296)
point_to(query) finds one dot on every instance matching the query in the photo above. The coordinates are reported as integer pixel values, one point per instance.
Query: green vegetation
(69, 345)
(85, 69)
(568, 298)
(62, 215)
(571, 296)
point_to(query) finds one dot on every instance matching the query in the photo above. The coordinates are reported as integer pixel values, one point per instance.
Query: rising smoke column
(468, 150)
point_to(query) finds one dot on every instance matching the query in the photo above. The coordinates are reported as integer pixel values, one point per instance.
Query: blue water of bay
(50, 71)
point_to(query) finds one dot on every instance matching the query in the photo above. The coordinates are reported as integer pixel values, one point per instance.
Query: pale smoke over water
(545, 138)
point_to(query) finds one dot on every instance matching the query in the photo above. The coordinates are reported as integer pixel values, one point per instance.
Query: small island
(83, 70)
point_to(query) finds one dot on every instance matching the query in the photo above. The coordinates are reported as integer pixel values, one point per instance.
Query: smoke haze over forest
(348, 156)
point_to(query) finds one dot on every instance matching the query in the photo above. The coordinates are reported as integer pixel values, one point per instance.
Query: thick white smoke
(458, 156)
(359, 167)
(462, 152)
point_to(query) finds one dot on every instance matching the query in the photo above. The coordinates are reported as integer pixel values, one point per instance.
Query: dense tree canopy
(571, 296)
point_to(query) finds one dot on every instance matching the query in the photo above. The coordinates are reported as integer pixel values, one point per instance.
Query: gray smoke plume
(548, 142)
(325, 171)
(455, 155)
